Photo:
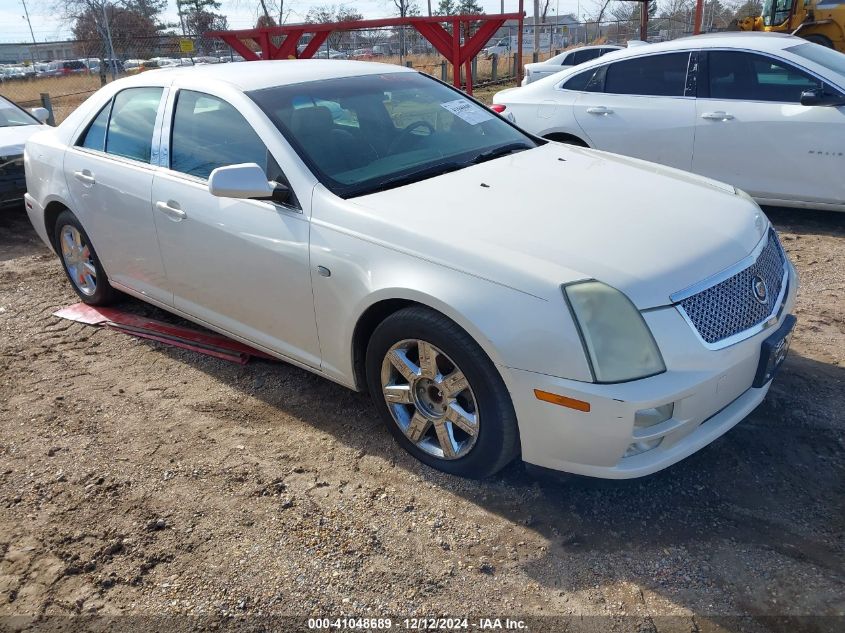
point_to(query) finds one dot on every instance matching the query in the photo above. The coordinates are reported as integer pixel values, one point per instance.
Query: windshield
(11, 115)
(373, 132)
(822, 55)
(776, 11)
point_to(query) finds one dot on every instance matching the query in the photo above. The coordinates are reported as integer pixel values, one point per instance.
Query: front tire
(80, 261)
(440, 395)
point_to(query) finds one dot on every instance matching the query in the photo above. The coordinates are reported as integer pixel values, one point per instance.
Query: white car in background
(396, 249)
(16, 126)
(764, 112)
(565, 60)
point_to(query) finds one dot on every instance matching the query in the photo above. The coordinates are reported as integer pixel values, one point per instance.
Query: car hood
(13, 138)
(540, 218)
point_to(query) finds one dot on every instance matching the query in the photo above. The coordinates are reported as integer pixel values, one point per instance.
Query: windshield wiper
(414, 176)
(498, 152)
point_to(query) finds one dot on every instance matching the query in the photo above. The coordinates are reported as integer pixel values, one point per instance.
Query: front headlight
(618, 343)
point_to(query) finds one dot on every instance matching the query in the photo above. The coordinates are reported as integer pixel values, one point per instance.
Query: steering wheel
(403, 136)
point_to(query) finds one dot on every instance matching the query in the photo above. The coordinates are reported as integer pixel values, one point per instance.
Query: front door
(753, 132)
(239, 265)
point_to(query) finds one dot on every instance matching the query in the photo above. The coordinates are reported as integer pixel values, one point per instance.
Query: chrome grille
(730, 307)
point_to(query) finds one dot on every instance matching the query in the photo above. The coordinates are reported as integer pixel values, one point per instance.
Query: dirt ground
(139, 479)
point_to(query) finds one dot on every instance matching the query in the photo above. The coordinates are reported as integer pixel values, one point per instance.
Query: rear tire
(440, 395)
(80, 261)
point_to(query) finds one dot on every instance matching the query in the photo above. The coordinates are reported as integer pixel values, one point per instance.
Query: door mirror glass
(42, 114)
(246, 180)
(820, 97)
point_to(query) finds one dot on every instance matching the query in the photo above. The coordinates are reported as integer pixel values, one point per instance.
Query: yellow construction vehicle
(819, 21)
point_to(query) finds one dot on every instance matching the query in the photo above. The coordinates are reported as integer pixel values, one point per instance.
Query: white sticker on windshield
(467, 111)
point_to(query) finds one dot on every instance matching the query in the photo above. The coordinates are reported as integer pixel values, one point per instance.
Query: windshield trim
(346, 191)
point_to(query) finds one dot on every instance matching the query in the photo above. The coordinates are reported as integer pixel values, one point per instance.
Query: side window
(208, 133)
(752, 77)
(95, 135)
(133, 116)
(590, 80)
(653, 75)
(579, 57)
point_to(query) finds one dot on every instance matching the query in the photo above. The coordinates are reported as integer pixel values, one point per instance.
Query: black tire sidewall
(104, 293)
(497, 442)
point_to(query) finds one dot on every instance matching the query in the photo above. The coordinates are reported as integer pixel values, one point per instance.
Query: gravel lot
(141, 479)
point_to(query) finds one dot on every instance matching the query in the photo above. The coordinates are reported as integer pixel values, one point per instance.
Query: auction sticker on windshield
(467, 111)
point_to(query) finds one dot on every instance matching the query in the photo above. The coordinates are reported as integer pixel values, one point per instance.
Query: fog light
(645, 418)
(642, 446)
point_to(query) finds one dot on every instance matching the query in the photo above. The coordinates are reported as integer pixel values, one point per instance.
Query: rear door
(753, 132)
(109, 174)
(643, 107)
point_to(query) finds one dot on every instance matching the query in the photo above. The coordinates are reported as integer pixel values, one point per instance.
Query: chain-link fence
(61, 75)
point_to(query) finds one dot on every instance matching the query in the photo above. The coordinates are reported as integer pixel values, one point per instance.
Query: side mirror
(246, 180)
(42, 114)
(819, 97)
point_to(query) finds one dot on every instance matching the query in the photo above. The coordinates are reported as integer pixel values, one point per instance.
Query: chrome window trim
(718, 278)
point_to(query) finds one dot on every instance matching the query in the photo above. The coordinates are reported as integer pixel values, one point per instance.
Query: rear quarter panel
(45, 179)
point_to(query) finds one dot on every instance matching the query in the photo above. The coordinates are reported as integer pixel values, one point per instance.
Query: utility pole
(34, 43)
(112, 60)
(535, 52)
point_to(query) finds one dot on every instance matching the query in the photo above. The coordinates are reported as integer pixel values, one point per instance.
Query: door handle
(84, 176)
(717, 116)
(172, 210)
(599, 110)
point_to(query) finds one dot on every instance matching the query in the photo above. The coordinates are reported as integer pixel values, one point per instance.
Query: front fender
(514, 328)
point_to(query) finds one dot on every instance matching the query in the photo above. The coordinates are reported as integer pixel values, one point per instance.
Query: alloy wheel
(77, 256)
(430, 399)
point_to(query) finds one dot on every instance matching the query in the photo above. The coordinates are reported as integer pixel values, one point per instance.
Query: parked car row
(381, 229)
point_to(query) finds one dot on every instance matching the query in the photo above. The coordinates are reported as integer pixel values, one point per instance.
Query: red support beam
(431, 28)
(699, 14)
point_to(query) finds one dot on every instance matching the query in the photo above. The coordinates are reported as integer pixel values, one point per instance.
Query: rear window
(588, 81)
(73, 65)
(652, 75)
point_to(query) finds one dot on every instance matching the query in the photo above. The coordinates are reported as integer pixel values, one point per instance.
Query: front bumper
(711, 391)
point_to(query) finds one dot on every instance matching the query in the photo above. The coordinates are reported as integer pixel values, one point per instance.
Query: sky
(241, 13)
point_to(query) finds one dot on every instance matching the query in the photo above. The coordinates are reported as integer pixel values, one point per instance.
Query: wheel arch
(391, 301)
(52, 210)
(566, 137)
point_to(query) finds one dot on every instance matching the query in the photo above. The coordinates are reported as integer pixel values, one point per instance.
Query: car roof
(762, 42)
(256, 75)
(736, 39)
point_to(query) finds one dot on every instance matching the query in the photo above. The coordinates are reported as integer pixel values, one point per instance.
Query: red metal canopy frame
(458, 51)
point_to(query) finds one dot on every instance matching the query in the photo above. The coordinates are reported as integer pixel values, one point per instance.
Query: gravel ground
(141, 479)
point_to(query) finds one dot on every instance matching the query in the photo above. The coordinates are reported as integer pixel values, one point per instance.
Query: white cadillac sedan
(371, 224)
(764, 112)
